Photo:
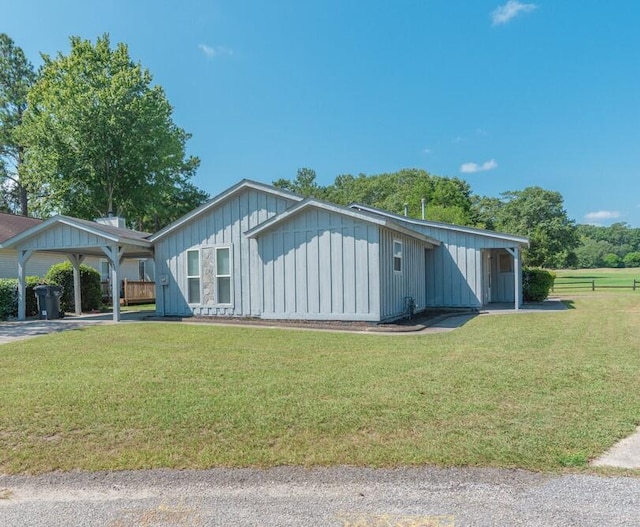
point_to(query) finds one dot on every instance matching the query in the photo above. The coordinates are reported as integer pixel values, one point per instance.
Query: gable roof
(312, 203)
(520, 240)
(114, 234)
(223, 196)
(12, 225)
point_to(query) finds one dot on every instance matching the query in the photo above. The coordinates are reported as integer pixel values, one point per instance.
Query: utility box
(48, 301)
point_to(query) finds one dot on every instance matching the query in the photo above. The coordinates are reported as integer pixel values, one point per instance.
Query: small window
(397, 256)
(193, 276)
(223, 274)
(142, 270)
(104, 270)
(505, 263)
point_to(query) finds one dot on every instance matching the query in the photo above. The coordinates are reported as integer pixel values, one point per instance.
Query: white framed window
(223, 275)
(193, 276)
(397, 256)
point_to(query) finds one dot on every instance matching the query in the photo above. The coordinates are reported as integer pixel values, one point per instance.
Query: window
(104, 270)
(397, 256)
(223, 274)
(505, 263)
(193, 276)
(142, 270)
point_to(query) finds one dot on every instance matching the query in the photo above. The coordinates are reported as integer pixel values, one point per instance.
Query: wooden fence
(132, 292)
(590, 284)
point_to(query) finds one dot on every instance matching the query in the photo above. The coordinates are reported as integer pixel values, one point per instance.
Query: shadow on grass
(569, 303)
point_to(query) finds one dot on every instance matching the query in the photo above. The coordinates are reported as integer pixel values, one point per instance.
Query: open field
(614, 279)
(538, 391)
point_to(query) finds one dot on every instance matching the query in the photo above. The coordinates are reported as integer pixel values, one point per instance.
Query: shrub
(612, 260)
(632, 259)
(62, 274)
(536, 284)
(9, 297)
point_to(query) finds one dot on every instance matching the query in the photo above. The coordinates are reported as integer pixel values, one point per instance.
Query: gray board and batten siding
(219, 223)
(324, 262)
(456, 273)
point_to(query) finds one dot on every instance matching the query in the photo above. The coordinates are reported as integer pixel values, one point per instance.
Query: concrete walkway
(624, 454)
(13, 331)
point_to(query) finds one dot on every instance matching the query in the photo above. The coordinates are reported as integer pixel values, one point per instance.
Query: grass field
(615, 279)
(541, 391)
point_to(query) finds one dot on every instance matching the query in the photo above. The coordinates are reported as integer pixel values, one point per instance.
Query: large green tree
(16, 78)
(538, 214)
(101, 139)
(448, 199)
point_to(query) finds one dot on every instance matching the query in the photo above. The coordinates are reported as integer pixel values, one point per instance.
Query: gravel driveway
(342, 496)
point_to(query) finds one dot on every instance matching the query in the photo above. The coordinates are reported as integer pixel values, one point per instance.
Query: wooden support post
(23, 257)
(76, 261)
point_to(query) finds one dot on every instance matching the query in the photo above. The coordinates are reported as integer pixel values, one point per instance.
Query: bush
(9, 297)
(612, 260)
(632, 259)
(62, 274)
(536, 284)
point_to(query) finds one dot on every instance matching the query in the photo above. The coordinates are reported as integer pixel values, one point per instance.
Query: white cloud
(212, 52)
(602, 215)
(472, 168)
(505, 13)
(426, 151)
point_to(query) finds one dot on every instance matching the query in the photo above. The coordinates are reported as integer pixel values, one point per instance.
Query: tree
(16, 78)
(632, 259)
(539, 215)
(101, 138)
(304, 184)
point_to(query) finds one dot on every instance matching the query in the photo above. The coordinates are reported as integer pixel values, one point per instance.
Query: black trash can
(48, 301)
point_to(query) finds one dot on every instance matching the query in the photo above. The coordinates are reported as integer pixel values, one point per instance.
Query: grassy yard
(539, 391)
(604, 279)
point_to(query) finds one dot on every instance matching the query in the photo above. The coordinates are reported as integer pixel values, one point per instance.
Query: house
(259, 251)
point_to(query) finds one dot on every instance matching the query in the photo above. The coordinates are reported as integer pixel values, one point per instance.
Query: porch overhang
(78, 239)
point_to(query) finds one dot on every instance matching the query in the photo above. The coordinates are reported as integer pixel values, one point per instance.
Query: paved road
(349, 497)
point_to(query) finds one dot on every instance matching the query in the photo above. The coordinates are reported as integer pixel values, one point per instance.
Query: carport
(78, 239)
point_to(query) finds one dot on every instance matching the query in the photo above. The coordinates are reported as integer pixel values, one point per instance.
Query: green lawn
(604, 279)
(539, 391)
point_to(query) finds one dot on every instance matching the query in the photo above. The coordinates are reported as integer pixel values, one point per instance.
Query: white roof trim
(66, 220)
(216, 200)
(314, 203)
(521, 240)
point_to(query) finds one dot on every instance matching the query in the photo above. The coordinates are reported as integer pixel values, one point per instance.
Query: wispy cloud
(426, 151)
(602, 215)
(472, 168)
(505, 13)
(216, 51)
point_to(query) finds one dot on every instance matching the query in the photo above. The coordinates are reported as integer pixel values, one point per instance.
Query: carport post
(76, 260)
(23, 257)
(115, 256)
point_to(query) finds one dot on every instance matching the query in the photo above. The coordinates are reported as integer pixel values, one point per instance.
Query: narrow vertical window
(193, 276)
(104, 270)
(142, 270)
(397, 256)
(223, 274)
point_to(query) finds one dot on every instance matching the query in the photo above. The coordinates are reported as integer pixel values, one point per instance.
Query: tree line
(539, 214)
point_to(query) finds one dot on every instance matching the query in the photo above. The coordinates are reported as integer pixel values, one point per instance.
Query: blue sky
(502, 93)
